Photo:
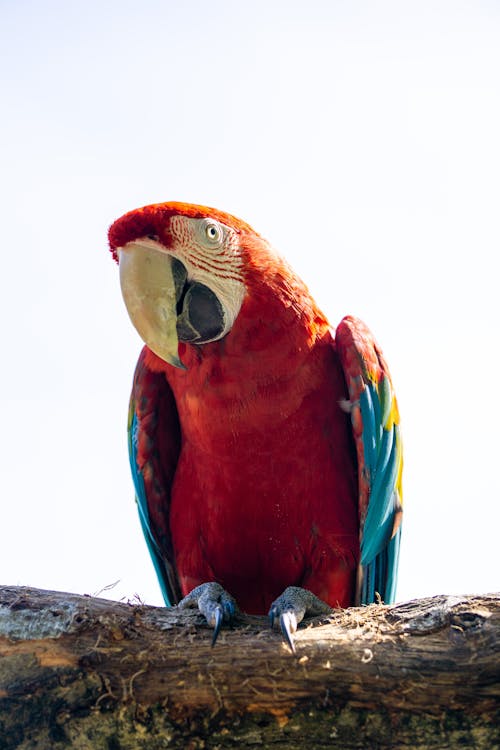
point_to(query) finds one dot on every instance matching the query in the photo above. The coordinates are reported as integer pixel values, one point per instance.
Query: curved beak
(148, 289)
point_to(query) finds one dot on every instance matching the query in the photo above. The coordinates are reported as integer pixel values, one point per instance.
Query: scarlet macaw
(264, 445)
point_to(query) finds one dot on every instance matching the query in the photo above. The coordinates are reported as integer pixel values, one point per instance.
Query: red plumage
(248, 460)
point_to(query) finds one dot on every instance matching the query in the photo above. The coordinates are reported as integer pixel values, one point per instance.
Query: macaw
(264, 445)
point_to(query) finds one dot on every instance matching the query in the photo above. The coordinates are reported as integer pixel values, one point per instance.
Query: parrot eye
(213, 232)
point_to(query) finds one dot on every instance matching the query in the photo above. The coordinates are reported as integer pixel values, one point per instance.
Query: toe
(291, 607)
(215, 604)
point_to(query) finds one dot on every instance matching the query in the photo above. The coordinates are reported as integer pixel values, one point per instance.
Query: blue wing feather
(378, 440)
(153, 443)
(369, 433)
(379, 556)
(142, 507)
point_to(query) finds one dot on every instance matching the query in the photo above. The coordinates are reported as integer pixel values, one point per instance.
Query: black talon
(218, 620)
(229, 613)
(272, 617)
(286, 629)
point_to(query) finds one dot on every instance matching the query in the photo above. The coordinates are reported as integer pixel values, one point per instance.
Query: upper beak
(148, 289)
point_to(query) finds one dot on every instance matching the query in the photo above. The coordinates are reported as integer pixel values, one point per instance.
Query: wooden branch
(82, 672)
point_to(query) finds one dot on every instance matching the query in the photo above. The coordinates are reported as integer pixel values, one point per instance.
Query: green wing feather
(375, 420)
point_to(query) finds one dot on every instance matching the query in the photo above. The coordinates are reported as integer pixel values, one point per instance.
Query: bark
(82, 672)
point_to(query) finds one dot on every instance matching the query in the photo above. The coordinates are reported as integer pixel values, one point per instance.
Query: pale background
(361, 138)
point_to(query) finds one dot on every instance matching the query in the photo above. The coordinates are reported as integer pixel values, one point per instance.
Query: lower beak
(148, 290)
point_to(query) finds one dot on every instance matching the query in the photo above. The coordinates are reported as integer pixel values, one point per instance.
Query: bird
(264, 443)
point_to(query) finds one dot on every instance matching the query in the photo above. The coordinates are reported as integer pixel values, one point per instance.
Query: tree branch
(82, 672)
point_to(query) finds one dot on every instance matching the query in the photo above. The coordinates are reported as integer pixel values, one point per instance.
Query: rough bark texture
(82, 672)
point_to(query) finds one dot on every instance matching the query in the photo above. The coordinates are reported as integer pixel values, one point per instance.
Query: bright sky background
(361, 138)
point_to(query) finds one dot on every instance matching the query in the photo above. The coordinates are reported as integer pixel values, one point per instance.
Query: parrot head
(181, 273)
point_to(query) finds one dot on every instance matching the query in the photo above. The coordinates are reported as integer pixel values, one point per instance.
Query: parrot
(264, 443)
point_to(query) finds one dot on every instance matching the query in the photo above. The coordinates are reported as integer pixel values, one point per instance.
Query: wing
(375, 422)
(154, 444)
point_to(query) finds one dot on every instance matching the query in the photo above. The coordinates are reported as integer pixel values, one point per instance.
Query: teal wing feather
(154, 443)
(375, 421)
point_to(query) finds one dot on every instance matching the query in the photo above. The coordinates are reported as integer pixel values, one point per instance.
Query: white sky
(361, 138)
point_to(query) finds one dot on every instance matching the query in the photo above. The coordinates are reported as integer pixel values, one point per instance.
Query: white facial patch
(210, 252)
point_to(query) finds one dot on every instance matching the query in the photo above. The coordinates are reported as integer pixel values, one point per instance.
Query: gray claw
(218, 616)
(288, 626)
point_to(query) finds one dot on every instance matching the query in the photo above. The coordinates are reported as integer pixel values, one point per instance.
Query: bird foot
(291, 607)
(215, 604)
